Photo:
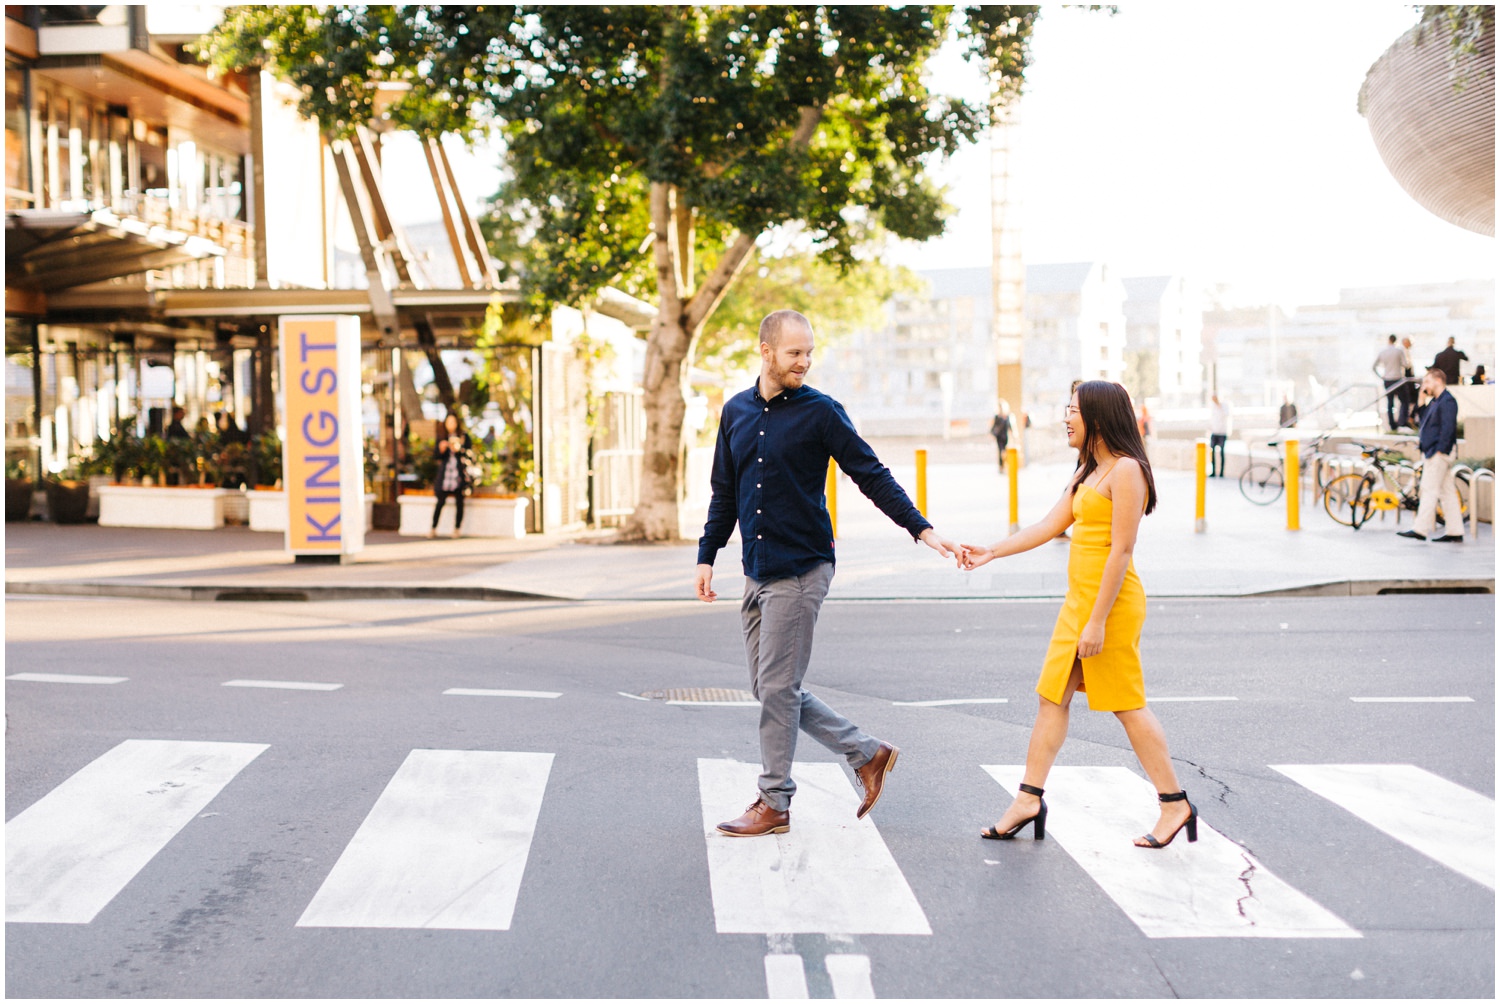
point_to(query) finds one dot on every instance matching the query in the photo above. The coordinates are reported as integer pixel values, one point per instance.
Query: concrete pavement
(1246, 550)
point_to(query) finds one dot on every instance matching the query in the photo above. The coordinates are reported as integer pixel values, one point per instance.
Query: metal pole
(1200, 479)
(922, 482)
(832, 491)
(1013, 474)
(1293, 487)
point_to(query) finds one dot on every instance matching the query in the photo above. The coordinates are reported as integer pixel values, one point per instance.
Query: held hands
(941, 545)
(971, 557)
(1091, 641)
(705, 584)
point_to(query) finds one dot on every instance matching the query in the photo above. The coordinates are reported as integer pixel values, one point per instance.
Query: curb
(493, 594)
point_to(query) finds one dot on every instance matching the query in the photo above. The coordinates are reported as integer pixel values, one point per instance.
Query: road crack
(1245, 877)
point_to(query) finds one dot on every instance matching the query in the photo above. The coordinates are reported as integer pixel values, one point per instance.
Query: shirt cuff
(707, 553)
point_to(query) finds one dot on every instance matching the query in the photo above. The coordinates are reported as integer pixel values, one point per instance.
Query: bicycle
(1263, 483)
(1389, 484)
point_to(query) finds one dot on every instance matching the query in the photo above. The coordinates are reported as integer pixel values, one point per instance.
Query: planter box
(68, 501)
(267, 509)
(17, 499)
(171, 508)
(484, 516)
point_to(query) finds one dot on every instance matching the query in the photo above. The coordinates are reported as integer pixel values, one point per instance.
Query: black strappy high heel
(1191, 823)
(1039, 821)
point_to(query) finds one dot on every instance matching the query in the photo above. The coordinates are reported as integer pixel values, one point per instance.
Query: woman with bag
(455, 455)
(1095, 646)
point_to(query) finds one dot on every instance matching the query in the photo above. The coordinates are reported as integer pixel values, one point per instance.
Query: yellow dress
(1112, 678)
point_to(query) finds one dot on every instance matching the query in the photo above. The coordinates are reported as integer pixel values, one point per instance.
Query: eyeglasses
(1070, 411)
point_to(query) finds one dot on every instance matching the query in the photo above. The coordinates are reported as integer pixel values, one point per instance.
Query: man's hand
(942, 545)
(705, 584)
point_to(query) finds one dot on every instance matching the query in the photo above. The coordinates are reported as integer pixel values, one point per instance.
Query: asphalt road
(613, 890)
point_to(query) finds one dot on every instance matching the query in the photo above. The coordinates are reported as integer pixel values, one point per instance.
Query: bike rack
(1476, 476)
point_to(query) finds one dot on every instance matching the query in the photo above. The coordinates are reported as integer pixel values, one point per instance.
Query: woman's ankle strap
(1032, 790)
(1180, 796)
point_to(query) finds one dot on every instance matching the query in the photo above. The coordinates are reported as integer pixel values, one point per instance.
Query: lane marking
(467, 692)
(715, 704)
(1159, 700)
(444, 846)
(1445, 821)
(951, 701)
(281, 685)
(786, 979)
(850, 975)
(633, 697)
(72, 851)
(1412, 700)
(65, 678)
(830, 873)
(1212, 889)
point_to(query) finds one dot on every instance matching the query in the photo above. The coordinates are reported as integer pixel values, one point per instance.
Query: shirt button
(757, 512)
(757, 536)
(760, 460)
(763, 432)
(757, 484)
(765, 409)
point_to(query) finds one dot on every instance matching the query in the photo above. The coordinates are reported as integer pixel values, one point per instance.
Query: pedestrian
(1437, 440)
(1145, 423)
(1219, 421)
(1095, 645)
(769, 470)
(1000, 429)
(1479, 378)
(1390, 367)
(1287, 418)
(176, 430)
(1408, 397)
(1447, 360)
(455, 452)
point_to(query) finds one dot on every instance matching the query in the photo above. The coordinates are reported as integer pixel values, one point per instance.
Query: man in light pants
(770, 468)
(1438, 439)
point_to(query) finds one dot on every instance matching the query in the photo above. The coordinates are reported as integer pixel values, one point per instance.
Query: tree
(690, 131)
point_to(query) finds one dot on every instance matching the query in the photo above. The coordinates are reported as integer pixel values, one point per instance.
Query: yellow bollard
(1200, 477)
(1293, 487)
(1013, 473)
(832, 491)
(922, 482)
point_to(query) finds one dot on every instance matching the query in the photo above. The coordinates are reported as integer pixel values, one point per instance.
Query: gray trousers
(779, 617)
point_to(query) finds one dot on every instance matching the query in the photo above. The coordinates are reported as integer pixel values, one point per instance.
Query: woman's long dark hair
(1108, 416)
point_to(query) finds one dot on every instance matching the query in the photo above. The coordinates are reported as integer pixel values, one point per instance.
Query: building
(930, 371)
(1164, 340)
(1259, 354)
(1075, 330)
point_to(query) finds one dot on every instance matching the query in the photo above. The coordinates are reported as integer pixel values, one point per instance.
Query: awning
(55, 249)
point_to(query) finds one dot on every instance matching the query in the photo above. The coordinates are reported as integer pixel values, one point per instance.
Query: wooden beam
(470, 225)
(460, 253)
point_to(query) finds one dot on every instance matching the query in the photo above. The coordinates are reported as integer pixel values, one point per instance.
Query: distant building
(1261, 353)
(1164, 340)
(1075, 329)
(930, 371)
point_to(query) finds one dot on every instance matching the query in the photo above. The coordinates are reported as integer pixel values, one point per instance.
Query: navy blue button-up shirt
(770, 469)
(1438, 432)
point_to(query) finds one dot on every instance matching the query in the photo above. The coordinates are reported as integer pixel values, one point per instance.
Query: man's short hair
(1439, 373)
(1393, 339)
(778, 323)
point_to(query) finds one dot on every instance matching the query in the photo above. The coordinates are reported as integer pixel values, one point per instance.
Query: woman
(454, 451)
(1096, 644)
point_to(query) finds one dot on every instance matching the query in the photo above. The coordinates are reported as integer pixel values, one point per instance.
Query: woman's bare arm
(1128, 494)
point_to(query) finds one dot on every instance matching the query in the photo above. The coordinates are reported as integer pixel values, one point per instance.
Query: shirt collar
(787, 393)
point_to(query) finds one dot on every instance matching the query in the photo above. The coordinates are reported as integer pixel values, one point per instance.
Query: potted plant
(67, 499)
(17, 490)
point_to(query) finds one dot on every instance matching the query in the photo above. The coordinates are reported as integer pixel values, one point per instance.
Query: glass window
(18, 193)
(47, 182)
(62, 138)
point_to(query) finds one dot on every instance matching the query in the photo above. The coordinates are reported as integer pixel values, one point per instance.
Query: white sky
(1218, 141)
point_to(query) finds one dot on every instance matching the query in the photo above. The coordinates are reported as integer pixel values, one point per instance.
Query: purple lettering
(330, 464)
(327, 423)
(325, 530)
(317, 384)
(323, 347)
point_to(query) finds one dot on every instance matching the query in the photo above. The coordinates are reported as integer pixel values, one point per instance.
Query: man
(1000, 429)
(1437, 439)
(176, 430)
(769, 471)
(1390, 367)
(1408, 393)
(1287, 418)
(1218, 435)
(1447, 360)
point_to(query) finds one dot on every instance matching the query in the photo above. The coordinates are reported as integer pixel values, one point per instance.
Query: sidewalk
(1246, 551)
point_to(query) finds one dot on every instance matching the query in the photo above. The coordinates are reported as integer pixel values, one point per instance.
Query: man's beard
(786, 377)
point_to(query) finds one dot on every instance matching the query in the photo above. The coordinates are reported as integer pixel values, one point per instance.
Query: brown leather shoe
(871, 776)
(758, 820)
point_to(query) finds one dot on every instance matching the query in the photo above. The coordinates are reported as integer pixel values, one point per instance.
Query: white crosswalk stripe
(1211, 889)
(445, 845)
(70, 853)
(1445, 821)
(831, 874)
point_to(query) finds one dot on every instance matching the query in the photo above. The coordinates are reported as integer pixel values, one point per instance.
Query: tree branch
(717, 283)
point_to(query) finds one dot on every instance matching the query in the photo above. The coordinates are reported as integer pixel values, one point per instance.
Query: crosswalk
(445, 845)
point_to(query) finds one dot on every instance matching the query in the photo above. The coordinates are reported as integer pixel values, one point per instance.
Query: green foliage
(597, 102)
(838, 302)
